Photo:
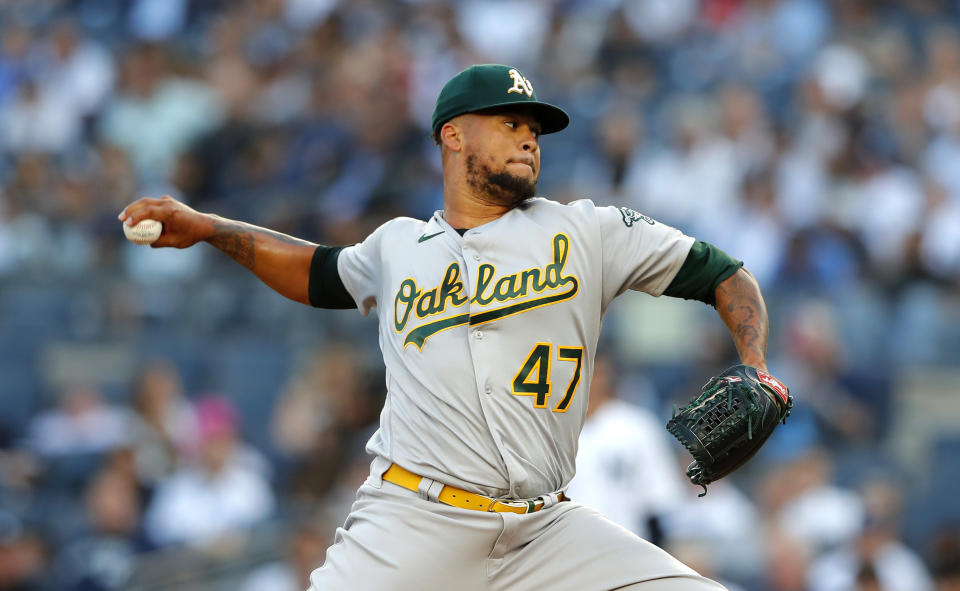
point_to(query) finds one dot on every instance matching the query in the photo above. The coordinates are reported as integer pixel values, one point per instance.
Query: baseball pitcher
(489, 315)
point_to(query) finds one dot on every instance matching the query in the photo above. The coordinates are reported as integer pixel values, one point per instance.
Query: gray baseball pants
(395, 540)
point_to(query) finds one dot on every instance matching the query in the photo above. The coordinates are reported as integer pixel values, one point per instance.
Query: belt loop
(378, 466)
(434, 491)
(549, 499)
(429, 490)
(423, 488)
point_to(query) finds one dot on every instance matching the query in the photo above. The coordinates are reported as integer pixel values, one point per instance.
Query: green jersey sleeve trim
(326, 289)
(705, 267)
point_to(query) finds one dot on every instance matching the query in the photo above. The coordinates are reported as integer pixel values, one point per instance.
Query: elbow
(742, 276)
(740, 283)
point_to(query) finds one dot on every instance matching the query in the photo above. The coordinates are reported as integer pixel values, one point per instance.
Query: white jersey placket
(478, 337)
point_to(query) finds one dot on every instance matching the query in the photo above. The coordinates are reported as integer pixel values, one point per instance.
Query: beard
(500, 188)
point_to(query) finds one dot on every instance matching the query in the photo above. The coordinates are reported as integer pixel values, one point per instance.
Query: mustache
(528, 160)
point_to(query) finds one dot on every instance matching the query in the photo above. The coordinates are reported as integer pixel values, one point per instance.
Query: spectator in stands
(816, 357)
(947, 576)
(101, 558)
(306, 549)
(82, 423)
(23, 556)
(805, 503)
(626, 468)
(78, 70)
(944, 557)
(37, 121)
(877, 556)
(786, 561)
(719, 528)
(156, 114)
(26, 236)
(15, 43)
(321, 419)
(867, 579)
(215, 496)
(165, 428)
(700, 556)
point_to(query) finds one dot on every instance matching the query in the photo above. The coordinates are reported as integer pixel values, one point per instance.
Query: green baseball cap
(486, 86)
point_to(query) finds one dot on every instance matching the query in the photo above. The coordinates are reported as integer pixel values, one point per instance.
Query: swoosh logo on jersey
(424, 238)
(419, 335)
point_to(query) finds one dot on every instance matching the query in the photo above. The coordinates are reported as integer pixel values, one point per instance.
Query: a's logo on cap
(520, 84)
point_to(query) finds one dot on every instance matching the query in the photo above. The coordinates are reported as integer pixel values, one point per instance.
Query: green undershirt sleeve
(326, 289)
(705, 268)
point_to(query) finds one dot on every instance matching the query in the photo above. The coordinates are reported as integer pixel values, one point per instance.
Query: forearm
(280, 261)
(740, 305)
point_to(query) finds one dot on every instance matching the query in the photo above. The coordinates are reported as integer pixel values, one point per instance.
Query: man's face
(502, 155)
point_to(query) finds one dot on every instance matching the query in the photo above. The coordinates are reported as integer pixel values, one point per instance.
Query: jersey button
(478, 334)
(488, 390)
(476, 257)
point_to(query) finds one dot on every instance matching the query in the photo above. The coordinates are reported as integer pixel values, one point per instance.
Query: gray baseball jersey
(489, 341)
(488, 338)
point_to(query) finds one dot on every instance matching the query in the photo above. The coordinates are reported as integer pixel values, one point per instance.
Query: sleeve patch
(631, 216)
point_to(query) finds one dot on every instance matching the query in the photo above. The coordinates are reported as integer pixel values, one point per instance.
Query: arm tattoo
(239, 241)
(236, 240)
(742, 309)
(285, 238)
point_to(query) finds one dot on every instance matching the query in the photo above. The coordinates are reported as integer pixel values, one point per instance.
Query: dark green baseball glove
(733, 416)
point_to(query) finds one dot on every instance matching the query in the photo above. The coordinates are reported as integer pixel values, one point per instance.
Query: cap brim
(552, 118)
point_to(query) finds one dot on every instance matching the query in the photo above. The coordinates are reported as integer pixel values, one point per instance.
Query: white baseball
(145, 232)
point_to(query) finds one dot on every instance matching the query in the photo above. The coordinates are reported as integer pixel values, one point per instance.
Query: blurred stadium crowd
(166, 422)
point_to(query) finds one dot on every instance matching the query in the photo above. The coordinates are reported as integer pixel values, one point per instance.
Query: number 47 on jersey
(533, 379)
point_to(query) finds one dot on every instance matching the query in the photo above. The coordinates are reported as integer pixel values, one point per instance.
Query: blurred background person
(82, 423)
(306, 548)
(24, 559)
(626, 468)
(323, 419)
(102, 555)
(166, 429)
(876, 558)
(218, 493)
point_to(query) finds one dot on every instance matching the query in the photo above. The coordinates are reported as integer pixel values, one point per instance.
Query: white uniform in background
(625, 467)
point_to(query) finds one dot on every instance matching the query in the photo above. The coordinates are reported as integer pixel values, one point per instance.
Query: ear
(451, 136)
